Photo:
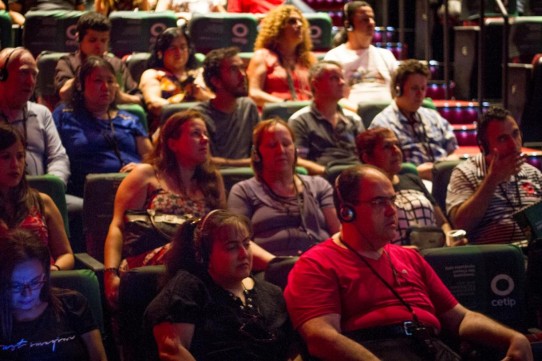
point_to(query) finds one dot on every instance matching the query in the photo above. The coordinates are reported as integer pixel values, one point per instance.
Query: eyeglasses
(33, 285)
(381, 202)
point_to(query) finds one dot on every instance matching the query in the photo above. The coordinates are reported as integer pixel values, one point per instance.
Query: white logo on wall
(157, 28)
(239, 32)
(503, 285)
(71, 35)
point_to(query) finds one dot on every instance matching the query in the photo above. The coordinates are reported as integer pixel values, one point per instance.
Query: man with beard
(231, 115)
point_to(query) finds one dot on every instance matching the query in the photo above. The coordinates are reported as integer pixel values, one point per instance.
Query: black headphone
(4, 71)
(347, 213)
(399, 83)
(347, 15)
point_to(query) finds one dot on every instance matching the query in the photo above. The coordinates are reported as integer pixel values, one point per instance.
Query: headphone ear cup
(3, 74)
(398, 91)
(347, 214)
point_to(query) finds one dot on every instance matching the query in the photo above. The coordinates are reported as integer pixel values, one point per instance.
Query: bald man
(44, 151)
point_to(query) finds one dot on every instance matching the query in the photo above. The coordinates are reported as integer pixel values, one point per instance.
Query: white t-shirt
(367, 72)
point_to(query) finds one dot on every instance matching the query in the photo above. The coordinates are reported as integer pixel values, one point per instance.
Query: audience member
(230, 116)
(290, 212)
(44, 151)
(367, 69)
(39, 322)
(424, 135)
(416, 207)
(325, 133)
(24, 207)
(178, 180)
(264, 6)
(98, 137)
(191, 6)
(486, 189)
(173, 75)
(278, 70)
(18, 8)
(211, 308)
(105, 7)
(93, 31)
(357, 297)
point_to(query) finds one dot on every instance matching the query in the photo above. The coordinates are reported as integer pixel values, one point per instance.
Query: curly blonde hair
(271, 30)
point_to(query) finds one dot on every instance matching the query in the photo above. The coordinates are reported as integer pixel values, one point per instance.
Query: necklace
(249, 302)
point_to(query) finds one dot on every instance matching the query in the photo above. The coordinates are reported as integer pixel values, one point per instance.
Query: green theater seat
(136, 31)
(6, 40)
(53, 30)
(219, 30)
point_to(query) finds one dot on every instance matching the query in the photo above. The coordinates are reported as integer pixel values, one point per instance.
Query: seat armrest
(84, 260)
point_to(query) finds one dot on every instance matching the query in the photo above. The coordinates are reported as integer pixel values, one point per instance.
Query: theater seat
(441, 177)
(320, 30)
(52, 30)
(465, 134)
(98, 204)
(283, 110)
(54, 188)
(138, 287)
(458, 111)
(85, 282)
(45, 83)
(489, 279)
(136, 31)
(219, 30)
(6, 40)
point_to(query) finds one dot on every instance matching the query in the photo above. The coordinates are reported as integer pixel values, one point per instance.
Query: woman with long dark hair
(178, 179)
(24, 207)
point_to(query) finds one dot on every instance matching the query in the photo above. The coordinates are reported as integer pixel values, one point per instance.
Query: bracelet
(57, 267)
(112, 270)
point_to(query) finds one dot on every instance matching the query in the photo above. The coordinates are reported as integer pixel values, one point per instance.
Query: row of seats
(137, 31)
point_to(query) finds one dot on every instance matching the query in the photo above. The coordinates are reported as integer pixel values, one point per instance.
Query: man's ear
(217, 82)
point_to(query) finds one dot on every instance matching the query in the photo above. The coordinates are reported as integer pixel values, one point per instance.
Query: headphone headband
(4, 71)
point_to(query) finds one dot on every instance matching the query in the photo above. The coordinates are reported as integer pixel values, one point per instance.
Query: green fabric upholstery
(170, 109)
(442, 172)
(52, 30)
(54, 188)
(283, 110)
(6, 40)
(138, 288)
(320, 30)
(98, 204)
(138, 111)
(486, 278)
(219, 30)
(136, 31)
(85, 282)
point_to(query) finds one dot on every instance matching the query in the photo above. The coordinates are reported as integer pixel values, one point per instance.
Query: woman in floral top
(178, 179)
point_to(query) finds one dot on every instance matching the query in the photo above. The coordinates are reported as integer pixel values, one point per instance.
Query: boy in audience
(93, 31)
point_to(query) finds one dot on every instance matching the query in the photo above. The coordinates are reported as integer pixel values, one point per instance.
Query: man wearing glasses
(358, 297)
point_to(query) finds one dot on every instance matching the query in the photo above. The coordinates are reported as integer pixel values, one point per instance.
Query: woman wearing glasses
(39, 322)
(279, 69)
(24, 207)
(415, 205)
(211, 308)
(97, 136)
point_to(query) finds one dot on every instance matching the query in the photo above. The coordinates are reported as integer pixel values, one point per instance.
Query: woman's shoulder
(314, 182)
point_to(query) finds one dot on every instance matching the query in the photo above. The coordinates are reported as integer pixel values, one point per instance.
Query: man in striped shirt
(485, 190)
